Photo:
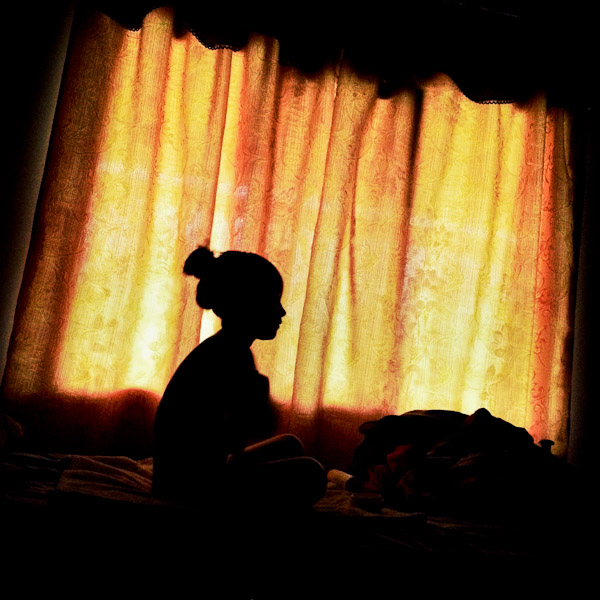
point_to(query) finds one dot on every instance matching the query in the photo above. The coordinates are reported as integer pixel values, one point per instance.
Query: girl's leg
(276, 473)
(275, 448)
(298, 481)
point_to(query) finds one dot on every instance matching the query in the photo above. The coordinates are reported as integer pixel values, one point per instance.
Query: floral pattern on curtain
(425, 240)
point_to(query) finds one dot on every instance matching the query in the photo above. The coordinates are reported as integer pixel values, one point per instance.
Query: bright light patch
(424, 240)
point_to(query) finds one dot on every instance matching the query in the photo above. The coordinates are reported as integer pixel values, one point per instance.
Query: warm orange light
(424, 240)
(130, 285)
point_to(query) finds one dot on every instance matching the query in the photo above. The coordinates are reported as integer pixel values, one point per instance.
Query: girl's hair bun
(199, 262)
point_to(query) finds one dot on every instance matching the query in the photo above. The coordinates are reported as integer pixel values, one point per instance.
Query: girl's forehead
(270, 287)
(274, 289)
(272, 279)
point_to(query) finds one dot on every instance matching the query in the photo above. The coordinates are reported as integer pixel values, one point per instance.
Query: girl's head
(241, 288)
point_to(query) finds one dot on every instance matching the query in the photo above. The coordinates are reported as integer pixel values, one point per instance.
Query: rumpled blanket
(122, 479)
(452, 463)
(115, 478)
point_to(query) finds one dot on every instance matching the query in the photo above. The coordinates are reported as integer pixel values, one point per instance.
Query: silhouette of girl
(216, 401)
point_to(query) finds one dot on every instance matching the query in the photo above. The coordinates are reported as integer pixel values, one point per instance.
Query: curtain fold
(425, 241)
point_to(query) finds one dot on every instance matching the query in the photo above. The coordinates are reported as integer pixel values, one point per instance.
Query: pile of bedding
(445, 462)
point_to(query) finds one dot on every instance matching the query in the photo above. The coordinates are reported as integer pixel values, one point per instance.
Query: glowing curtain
(424, 240)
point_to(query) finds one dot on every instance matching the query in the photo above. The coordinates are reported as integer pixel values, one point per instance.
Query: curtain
(425, 240)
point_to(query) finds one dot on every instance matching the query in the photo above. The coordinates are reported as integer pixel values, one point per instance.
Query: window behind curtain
(424, 240)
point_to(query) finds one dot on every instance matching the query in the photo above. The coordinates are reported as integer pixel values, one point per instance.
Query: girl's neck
(236, 335)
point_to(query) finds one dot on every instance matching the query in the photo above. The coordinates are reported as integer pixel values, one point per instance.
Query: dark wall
(583, 448)
(34, 43)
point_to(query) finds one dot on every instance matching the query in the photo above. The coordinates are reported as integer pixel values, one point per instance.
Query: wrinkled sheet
(89, 483)
(29, 479)
(109, 477)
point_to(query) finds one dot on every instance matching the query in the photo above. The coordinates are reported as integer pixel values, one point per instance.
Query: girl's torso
(208, 411)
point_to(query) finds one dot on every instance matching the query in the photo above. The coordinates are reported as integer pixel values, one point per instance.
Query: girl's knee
(294, 444)
(288, 445)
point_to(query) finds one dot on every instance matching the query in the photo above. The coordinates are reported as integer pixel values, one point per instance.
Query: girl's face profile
(267, 312)
(257, 309)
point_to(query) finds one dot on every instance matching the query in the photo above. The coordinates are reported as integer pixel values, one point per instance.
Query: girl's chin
(268, 333)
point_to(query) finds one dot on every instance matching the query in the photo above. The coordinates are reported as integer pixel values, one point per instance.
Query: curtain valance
(495, 50)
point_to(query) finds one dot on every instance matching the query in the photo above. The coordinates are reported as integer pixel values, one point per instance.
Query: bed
(86, 521)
